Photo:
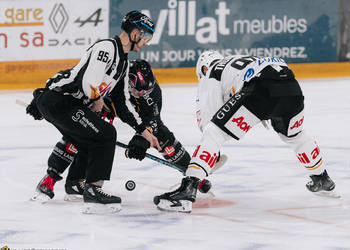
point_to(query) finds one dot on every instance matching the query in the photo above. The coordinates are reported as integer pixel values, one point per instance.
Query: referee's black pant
(93, 137)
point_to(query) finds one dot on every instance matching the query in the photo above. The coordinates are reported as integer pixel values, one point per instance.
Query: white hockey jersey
(226, 78)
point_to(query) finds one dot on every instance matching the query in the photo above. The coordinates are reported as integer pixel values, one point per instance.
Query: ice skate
(44, 189)
(322, 185)
(181, 199)
(96, 201)
(74, 190)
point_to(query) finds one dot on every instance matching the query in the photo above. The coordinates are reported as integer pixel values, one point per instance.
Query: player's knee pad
(62, 156)
(207, 152)
(306, 149)
(234, 118)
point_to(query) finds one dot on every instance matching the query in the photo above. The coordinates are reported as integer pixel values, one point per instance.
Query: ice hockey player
(146, 97)
(235, 94)
(72, 98)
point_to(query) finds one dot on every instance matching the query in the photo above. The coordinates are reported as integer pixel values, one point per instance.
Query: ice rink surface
(260, 197)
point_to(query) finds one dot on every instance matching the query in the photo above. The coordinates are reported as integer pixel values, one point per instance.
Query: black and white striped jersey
(103, 68)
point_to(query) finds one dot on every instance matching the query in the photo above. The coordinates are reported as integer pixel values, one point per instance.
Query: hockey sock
(307, 152)
(207, 152)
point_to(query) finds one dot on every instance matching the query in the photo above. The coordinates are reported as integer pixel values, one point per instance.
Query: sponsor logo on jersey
(242, 124)
(248, 74)
(205, 156)
(169, 151)
(270, 59)
(104, 88)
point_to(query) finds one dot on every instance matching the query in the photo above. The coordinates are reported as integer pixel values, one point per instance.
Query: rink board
(33, 74)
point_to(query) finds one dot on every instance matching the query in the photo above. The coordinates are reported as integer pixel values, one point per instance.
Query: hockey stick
(218, 165)
(155, 158)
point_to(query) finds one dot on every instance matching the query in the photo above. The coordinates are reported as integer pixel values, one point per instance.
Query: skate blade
(94, 208)
(165, 205)
(40, 197)
(73, 197)
(329, 194)
(211, 194)
(219, 164)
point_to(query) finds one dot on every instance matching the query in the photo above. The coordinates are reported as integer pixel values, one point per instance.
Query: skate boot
(322, 185)
(96, 201)
(44, 189)
(74, 190)
(181, 199)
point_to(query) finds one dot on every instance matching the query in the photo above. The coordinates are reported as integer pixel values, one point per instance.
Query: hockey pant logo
(296, 124)
(235, 119)
(80, 117)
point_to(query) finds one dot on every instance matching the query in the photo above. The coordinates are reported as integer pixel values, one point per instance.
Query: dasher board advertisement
(42, 29)
(298, 31)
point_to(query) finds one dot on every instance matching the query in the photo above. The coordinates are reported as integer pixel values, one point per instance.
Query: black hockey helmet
(135, 19)
(141, 78)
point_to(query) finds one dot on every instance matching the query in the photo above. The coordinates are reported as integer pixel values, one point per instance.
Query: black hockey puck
(130, 185)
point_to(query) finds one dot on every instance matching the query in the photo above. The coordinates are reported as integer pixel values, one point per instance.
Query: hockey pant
(91, 135)
(281, 102)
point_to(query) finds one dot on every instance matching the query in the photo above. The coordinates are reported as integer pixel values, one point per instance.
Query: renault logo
(58, 18)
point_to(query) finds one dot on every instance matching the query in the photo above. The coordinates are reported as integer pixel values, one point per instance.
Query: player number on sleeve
(102, 56)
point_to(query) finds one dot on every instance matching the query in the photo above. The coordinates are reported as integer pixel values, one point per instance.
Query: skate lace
(98, 189)
(48, 182)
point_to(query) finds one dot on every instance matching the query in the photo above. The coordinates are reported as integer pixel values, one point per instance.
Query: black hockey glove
(137, 148)
(32, 109)
(108, 110)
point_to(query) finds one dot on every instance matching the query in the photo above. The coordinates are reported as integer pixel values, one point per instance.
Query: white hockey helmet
(206, 59)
